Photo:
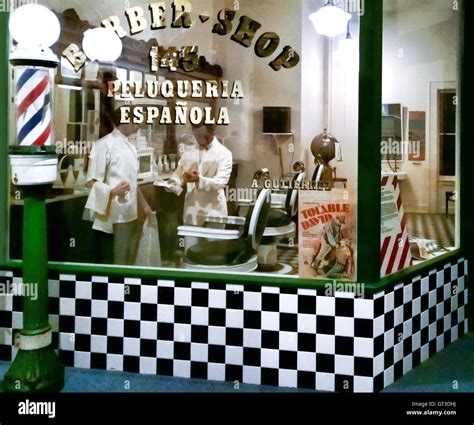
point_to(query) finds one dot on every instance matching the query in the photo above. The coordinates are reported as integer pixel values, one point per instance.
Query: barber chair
(228, 250)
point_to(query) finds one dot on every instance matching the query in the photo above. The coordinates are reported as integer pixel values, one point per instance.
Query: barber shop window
(217, 139)
(420, 140)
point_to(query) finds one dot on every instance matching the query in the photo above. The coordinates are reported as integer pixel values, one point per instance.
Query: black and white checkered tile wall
(255, 335)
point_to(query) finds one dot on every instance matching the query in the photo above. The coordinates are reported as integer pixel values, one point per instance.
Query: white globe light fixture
(35, 29)
(330, 20)
(102, 45)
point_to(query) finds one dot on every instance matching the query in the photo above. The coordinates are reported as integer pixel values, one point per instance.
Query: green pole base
(35, 371)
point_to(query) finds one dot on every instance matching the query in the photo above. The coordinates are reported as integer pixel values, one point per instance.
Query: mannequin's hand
(121, 189)
(191, 177)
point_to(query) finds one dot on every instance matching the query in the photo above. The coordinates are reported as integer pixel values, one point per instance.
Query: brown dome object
(323, 147)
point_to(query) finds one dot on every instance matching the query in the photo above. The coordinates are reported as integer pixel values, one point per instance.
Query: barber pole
(33, 106)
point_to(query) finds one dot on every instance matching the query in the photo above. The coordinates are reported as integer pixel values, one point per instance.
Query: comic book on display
(327, 234)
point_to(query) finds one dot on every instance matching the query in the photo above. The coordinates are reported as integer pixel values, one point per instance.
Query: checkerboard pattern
(250, 334)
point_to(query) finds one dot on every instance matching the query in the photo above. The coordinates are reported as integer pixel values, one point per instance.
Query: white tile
(235, 288)
(454, 334)
(344, 326)
(407, 328)
(165, 313)
(325, 344)
(398, 352)
(17, 320)
(217, 298)
(363, 309)
(425, 285)
(363, 347)
(289, 303)
(344, 365)
(234, 355)
(447, 323)
(398, 316)
(252, 338)
(270, 358)
(416, 341)
(115, 327)
(425, 319)
(432, 299)
(200, 316)
(253, 301)
(363, 384)
(234, 318)
(270, 321)
(407, 364)
(148, 330)
(389, 376)
(306, 361)
(164, 349)
(199, 353)
(98, 344)
(68, 277)
(82, 360)
(389, 302)
(447, 292)
(287, 378)
(131, 347)
(379, 364)
(439, 343)
(425, 353)
(325, 382)
(200, 285)
(84, 290)
(182, 332)
(416, 307)
(270, 290)
(439, 311)
(440, 279)
(182, 296)
(66, 341)
(116, 292)
(149, 294)
(99, 309)
(288, 341)
(251, 375)
(181, 369)
(83, 325)
(389, 339)
(407, 293)
(166, 283)
(54, 322)
(131, 311)
(379, 325)
(461, 315)
(325, 306)
(216, 335)
(67, 307)
(216, 372)
(307, 323)
(308, 292)
(461, 284)
(53, 288)
(147, 366)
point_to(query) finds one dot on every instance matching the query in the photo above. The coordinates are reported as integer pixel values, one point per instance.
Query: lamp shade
(33, 25)
(102, 44)
(330, 20)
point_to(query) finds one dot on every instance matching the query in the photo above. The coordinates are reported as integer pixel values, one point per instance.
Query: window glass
(267, 185)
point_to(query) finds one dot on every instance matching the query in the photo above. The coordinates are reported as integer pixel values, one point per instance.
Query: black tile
(425, 334)
(5, 319)
(389, 358)
(132, 293)
(199, 334)
(131, 329)
(83, 308)
(363, 366)
(233, 373)
(344, 383)
(424, 302)
(432, 348)
(182, 314)
(164, 367)
(344, 345)
(288, 360)
(216, 354)
(17, 304)
(252, 320)
(447, 307)
(306, 304)
(114, 345)
(398, 370)
(416, 323)
(234, 337)
(148, 312)
(447, 338)
(270, 339)
(270, 377)
(379, 383)
(461, 268)
(307, 342)
(344, 307)
(399, 297)
(416, 289)
(82, 343)
(216, 317)
(53, 306)
(416, 358)
(325, 325)
(66, 324)
(182, 283)
(454, 318)
(67, 289)
(131, 364)
(198, 370)
(389, 321)
(147, 348)
(379, 345)
(364, 328)
(325, 363)
(461, 301)
(379, 306)
(200, 298)
(165, 295)
(99, 291)
(440, 294)
(407, 311)
(165, 331)
(461, 330)
(182, 351)
(235, 300)
(270, 302)
(115, 310)
(67, 359)
(447, 274)
(288, 322)
(306, 380)
(98, 326)
(407, 346)
(433, 281)
(252, 357)
(5, 353)
(439, 327)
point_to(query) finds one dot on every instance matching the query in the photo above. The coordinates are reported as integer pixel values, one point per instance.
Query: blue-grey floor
(452, 370)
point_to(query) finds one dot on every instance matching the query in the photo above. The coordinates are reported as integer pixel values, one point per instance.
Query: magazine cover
(327, 231)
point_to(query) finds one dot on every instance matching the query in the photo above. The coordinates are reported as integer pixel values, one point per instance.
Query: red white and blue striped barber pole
(33, 106)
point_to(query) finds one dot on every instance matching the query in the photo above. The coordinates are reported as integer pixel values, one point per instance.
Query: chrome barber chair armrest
(208, 233)
(233, 220)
